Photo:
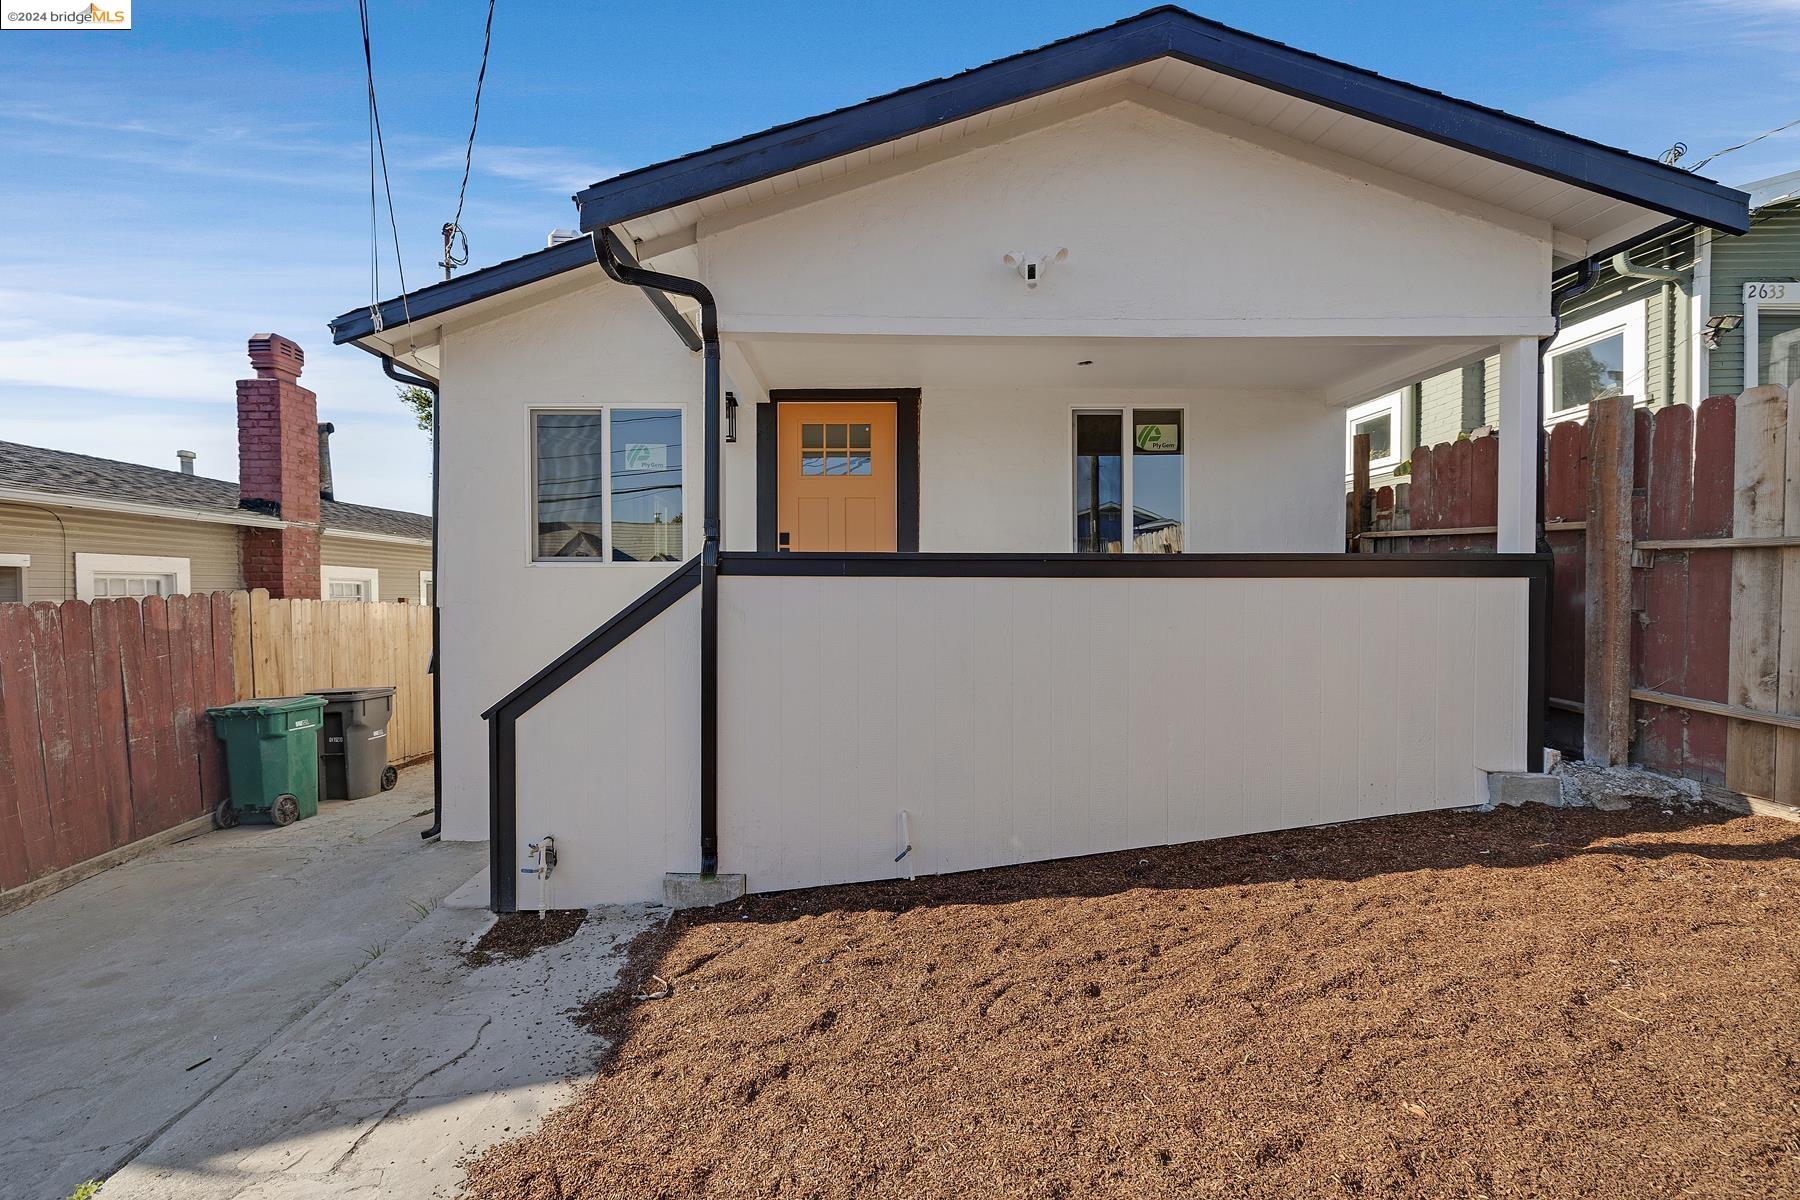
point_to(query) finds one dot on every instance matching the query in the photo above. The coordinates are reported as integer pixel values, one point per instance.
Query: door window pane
(1099, 482)
(1778, 337)
(646, 485)
(570, 504)
(1588, 373)
(1157, 449)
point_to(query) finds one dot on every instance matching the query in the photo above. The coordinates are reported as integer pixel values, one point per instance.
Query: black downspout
(618, 264)
(437, 706)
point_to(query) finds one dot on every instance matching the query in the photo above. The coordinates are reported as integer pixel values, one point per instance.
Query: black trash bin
(353, 758)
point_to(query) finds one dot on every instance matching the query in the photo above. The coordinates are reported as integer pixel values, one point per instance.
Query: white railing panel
(1024, 719)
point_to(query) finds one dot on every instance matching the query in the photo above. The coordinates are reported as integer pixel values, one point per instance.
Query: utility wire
(379, 151)
(454, 229)
(1748, 142)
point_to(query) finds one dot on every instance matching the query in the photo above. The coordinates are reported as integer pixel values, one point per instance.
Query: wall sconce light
(1720, 325)
(731, 407)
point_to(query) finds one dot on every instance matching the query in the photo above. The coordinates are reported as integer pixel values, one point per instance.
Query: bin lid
(361, 693)
(267, 706)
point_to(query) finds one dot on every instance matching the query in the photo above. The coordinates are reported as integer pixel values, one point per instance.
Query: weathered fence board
(1716, 617)
(103, 730)
(104, 737)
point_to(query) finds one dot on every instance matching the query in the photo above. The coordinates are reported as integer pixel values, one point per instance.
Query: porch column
(1519, 419)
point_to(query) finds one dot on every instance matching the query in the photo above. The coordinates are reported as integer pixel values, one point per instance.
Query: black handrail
(503, 716)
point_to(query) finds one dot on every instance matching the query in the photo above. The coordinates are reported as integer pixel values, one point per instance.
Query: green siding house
(1673, 327)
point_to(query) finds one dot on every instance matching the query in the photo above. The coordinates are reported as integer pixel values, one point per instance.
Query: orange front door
(835, 484)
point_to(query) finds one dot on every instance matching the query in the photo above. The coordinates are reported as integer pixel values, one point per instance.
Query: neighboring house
(77, 527)
(1677, 326)
(890, 388)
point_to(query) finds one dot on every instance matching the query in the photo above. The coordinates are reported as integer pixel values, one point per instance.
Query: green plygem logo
(1158, 439)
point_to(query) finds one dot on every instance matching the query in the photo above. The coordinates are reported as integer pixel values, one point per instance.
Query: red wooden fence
(103, 731)
(1682, 478)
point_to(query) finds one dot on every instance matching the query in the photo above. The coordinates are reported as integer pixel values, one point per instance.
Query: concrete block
(1523, 787)
(683, 889)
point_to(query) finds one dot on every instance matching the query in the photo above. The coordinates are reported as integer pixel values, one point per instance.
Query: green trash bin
(271, 759)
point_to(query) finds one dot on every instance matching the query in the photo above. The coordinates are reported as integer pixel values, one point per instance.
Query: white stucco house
(956, 478)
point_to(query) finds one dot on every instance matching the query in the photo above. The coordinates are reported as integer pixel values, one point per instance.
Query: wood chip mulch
(1525, 1003)
(516, 935)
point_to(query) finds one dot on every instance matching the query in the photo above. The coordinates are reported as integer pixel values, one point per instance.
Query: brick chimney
(278, 469)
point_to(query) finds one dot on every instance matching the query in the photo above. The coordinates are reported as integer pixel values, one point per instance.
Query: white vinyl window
(12, 576)
(1772, 333)
(106, 576)
(360, 585)
(1601, 356)
(1380, 419)
(606, 485)
(1130, 460)
(427, 589)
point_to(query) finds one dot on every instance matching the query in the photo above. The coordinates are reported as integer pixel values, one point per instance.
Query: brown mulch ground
(515, 935)
(1526, 1003)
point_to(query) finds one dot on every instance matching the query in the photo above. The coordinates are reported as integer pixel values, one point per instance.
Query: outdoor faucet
(543, 857)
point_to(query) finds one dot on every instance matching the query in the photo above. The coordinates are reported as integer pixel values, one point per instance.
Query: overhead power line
(378, 153)
(453, 232)
(1747, 142)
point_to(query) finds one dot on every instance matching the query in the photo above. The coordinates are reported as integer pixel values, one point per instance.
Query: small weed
(86, 1191)
(373, 951)
(424, 910)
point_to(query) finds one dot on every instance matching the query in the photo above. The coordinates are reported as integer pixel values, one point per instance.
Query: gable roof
(1167, 32)
(61, 473)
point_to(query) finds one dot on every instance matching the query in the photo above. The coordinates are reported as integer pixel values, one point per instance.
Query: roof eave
(439, 298)
(1177, 34)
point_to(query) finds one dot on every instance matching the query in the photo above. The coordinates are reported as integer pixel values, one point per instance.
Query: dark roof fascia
(1178, 34)
(476, 285)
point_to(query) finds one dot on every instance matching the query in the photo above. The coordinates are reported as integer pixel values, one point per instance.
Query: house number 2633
(1768, 291)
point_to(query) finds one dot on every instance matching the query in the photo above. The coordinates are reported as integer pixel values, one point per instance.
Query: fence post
(1606, 721)
(1359, 489)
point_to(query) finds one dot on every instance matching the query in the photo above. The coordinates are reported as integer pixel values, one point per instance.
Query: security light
(1718, 326)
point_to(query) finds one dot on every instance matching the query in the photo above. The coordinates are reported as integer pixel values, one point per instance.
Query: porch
(881, 716)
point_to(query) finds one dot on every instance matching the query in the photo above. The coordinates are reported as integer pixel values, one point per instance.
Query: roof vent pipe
(186, 460)
(1624, 268)
(326, 429)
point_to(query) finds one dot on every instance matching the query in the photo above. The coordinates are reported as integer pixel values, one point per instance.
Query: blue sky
(170, 190)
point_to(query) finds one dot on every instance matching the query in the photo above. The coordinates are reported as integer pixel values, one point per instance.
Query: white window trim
(15, 560)
(1394, 404)
(1776, 295)
(368, 576)
(1633, 321)
(427, 583)
(89, 565)
(606, 547)
(1127, 482)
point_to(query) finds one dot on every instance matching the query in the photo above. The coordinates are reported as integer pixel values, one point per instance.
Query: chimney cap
(185, 460)
(276, 357)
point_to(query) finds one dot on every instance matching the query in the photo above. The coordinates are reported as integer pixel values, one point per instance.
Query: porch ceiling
(1339, 369)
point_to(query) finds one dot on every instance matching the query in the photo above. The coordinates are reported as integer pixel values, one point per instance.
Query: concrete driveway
(128, 999)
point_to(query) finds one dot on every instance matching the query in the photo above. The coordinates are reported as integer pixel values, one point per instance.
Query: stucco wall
(504, 617)
(1174, 229)
(1169, 225)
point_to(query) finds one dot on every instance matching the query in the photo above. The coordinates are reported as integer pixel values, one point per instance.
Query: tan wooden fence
(287, 647)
